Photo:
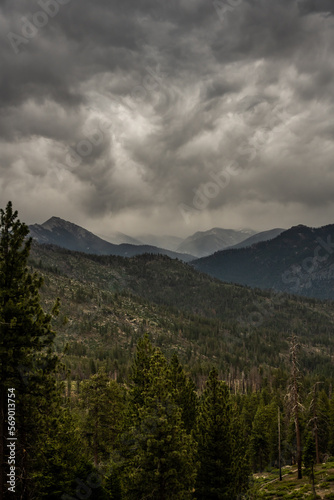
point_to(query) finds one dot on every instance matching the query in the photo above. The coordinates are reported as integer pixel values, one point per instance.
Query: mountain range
(299, 260)
(67, 235)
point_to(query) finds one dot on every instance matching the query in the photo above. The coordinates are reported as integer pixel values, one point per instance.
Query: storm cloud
(148, 116)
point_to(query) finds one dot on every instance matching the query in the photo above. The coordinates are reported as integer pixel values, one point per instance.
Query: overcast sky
(148, 116)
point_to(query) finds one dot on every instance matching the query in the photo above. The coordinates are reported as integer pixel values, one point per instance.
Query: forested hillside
(150, 380)
(108, 302)
(299, 260)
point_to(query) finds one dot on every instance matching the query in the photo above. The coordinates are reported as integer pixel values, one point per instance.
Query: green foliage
(142, 426)
(159, 461)
(331, 426)
(309, 454)
(184, 393)
(264, 436)
(26, 334)
(58, 460)
(27, 360)
(223, 470)
(47, 445)
(102, 402)
(205, 321)
(113, 485)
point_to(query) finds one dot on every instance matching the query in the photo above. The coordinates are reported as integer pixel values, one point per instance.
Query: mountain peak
(54, 222)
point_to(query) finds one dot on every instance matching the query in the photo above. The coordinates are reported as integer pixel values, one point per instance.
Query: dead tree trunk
(295, 402)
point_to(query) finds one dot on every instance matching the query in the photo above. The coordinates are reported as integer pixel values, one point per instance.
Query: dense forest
(127, 391)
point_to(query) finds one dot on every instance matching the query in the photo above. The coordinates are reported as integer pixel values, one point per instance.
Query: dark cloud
(122, 112)
(312, 6)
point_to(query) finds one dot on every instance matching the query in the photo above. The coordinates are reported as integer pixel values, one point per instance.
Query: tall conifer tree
(27, 361)
(184, 393)
(159, 461)
(223, 470)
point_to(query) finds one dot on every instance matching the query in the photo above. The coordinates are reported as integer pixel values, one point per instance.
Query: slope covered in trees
(108, 302)
(141, 411)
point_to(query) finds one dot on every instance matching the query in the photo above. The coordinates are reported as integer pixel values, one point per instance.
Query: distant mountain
(299, 260)
(205, 243)
(65, 234)
(256, 238)
(164, 241)
(117, 238)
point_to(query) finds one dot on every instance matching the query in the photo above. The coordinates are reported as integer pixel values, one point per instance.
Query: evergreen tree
(47, 457)
(323, 423)
(309, 459)
(259, 446)
(159, 460)
(223, 470)
(331, 426)
(113, 485)
(184, 393)
(102, 401)
(264, 436)
(140, 368)
(240, 459)
(60, 459)
(27, 361)
(250, 404)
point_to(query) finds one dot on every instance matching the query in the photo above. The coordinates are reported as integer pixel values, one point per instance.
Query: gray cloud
(116, 114)
(312, 6)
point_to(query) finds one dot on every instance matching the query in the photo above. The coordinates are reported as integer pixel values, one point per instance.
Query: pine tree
(318, 420)
(113, 485)
(102, 401)
(259, 446)
(331, 426)
(140, 368)
(59, 459)
(263, 440)
(27, 361)
(309, 459)
(323, 423)
(248, 412)
(159, 461)
(223, 471)
(240, 459)
(184, 393)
